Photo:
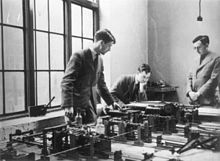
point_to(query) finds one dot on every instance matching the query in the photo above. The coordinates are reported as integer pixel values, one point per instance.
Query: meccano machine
(142, 124)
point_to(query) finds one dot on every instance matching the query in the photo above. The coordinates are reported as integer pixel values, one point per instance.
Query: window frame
(48, 71)
(3, 70)
(82, 3)
(29, 49)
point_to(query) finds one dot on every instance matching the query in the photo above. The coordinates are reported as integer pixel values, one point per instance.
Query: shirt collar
(136, 79)
(202, 57)
(94, 53)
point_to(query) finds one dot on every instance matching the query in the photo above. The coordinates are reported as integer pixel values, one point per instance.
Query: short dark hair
(105, 35)
(144, 67)
(203, 38)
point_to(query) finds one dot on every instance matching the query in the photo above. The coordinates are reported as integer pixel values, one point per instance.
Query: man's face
(143, 77)
(200, 47)
(105, 47)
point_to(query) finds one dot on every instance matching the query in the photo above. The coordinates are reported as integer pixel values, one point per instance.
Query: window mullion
(67, 32)
(3, 73)
(29, 53)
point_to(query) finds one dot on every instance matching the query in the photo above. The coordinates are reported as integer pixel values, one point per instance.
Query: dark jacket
(124, 88)
(82, 81)
(205, 78)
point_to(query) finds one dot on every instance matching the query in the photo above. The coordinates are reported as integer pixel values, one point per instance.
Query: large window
(37, 37)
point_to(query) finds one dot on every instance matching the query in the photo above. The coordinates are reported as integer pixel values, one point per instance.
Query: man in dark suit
(130, 88)
(205, 75)
(84, 78)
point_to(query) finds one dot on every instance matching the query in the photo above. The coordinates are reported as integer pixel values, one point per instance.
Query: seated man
(130, 88)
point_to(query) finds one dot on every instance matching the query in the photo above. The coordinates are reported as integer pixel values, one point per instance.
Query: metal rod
(27, 142)
(71, 149)
(50, 101)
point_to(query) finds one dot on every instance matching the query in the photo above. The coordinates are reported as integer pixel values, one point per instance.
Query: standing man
(84, 77)
(205, 76)
(130, 88)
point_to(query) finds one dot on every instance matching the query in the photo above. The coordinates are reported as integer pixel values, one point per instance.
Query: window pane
(56, 52)
(76, 44)
(76, 20)
(13, 48)
(1, 94)
(14, 92)
(56, 78)
(35, 58)
(87, 23)
(41, 14)
(56, 16)
(87, 43)
(0, 48)
(12, 12)
(0, 12)
(42, 50)
(42, 87)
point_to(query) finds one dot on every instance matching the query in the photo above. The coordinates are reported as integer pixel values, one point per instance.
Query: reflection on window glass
(76, 20)
(42, 87)
(13, 48)
(41, 15)
(87, 23)
(56, 78)
(56, 16)
(1, 94)
(87, 43)
(12, 12)
(42, 51)
(76, 44)
(56, 52)
(14, 97)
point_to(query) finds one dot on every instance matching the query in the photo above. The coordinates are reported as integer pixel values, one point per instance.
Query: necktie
(96, 61)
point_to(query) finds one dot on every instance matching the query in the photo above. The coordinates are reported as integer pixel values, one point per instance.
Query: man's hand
(116, 106)
(194, 96)
(113, 106)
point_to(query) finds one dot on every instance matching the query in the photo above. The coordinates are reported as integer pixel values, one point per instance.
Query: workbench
(135, 153)
(134, 150)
